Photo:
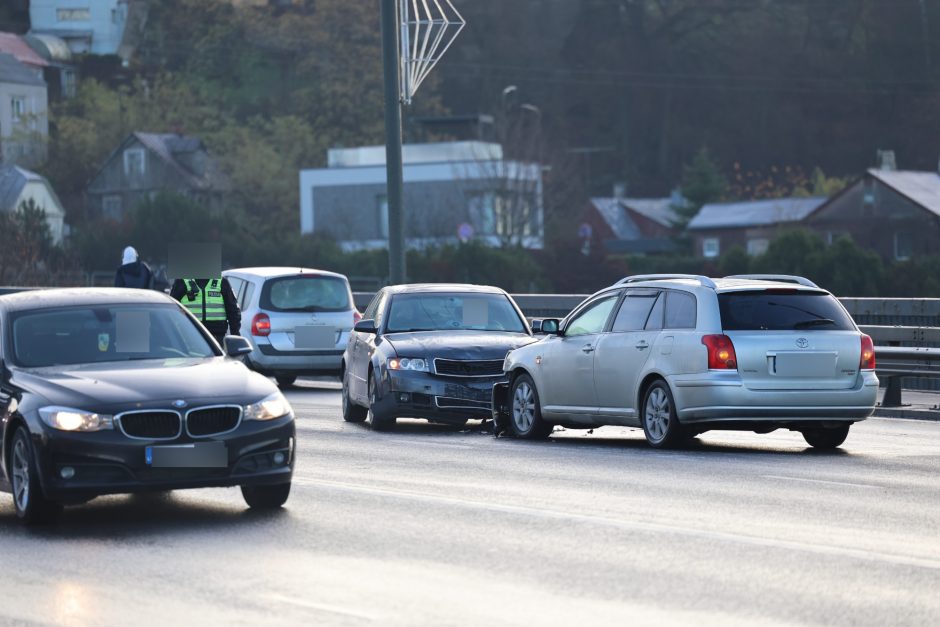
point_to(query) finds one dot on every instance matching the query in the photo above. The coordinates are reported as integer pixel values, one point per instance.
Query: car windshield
(450, 312)
(93, 334)
(782, 310)
(305, 293)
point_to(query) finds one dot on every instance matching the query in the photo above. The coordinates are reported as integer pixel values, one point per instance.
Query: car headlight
(68, 419)
(268, 408)
(404, 363)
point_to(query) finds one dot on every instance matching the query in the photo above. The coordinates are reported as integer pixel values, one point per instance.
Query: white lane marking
(323, 607)
(635, 525)
(823, 481)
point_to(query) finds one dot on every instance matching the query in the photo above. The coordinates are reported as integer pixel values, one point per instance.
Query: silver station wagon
(679, 355)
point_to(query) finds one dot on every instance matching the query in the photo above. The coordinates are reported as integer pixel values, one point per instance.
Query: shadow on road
(141, 515)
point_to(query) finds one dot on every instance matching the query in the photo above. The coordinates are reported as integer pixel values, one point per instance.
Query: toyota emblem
(802, 342)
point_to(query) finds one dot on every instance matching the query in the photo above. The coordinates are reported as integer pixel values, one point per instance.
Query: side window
(369, 313)
(237, 286)
(680, 310)
(634, 310)
(593, 318)
(245, 299)
(655, 320)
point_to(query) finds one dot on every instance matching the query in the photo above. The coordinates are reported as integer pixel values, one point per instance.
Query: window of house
(111, 207)
(134, 162)
(903, 246)
(757, 246)
(18, 107)
(381, 215)
(73, 15)
(710, 247)
(68, 83)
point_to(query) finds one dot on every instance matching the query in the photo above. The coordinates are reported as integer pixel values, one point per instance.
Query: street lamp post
(393, 158)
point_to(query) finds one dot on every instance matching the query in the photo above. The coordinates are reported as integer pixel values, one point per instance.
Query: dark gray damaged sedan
(431, 351)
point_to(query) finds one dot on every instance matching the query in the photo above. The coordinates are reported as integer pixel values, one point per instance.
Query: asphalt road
(442, 526)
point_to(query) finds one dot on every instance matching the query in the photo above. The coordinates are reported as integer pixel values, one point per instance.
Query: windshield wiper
(817, 322)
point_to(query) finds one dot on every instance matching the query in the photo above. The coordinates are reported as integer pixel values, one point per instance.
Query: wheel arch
(646, 382)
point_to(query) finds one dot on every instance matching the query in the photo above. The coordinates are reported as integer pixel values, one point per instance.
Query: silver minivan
(297, 319)
(679, 355)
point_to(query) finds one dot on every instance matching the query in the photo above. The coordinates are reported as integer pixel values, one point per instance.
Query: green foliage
(734, 261)
(28, 256)
(702, 183)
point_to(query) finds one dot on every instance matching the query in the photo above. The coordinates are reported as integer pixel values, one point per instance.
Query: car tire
(660, 421)
(266, 497)
(32, 507)
(285, 380)
(351, 411)
(378, 419)
(525, 413)
(826, 438)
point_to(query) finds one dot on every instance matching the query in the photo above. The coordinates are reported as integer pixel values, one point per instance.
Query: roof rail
(783, 278)
(704, 280)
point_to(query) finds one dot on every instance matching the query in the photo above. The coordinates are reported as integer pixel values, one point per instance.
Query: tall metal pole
(393, 160)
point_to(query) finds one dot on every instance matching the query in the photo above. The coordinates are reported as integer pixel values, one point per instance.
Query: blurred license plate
(314, 336)
(197, 455)
(804, 365)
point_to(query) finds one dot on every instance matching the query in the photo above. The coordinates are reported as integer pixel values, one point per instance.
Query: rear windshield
(782, 310)
(305, 293)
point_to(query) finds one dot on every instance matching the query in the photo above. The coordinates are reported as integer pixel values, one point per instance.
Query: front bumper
(108, 462)
(435, 397)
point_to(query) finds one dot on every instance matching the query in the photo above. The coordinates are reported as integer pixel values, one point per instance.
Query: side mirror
(236, 346)
(548, 326)
(365, 326)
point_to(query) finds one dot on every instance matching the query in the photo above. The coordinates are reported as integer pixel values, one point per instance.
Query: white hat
(130, 255)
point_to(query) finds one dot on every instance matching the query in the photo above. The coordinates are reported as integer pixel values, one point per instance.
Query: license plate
(314, 336)
(196, 455)
(804, 365)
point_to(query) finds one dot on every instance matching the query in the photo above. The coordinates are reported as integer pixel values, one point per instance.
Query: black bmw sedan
(429, 351)
(107, 391)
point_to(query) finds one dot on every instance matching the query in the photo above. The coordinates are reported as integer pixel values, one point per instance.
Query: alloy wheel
(523, 407)
(657, 413)
(21, 475)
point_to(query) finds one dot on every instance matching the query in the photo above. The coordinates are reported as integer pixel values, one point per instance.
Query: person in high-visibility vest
(212, 301)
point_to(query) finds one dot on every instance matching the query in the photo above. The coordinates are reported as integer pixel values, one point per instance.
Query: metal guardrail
(895, 362)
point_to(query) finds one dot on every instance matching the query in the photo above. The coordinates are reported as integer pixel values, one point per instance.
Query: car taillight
(720, 352)
(356, 316)
(261, 325)
(867, 361)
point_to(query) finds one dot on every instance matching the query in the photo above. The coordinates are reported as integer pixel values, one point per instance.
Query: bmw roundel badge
(179, 404)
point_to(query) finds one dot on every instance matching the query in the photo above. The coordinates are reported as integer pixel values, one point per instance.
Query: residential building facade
(87, 26)
(752, 225)
(19, 186)
(636, 226)
(893, 212)
(148, 163)
(452, 191)
(24, 122)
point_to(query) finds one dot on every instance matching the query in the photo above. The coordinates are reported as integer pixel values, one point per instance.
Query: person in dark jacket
(133, 272)
(212, 301)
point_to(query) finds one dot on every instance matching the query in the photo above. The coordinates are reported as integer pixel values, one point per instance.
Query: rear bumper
(723, 397)
(269, 361)
(111, 463)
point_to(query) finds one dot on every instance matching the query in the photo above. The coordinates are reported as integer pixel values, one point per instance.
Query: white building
(452, 191)
(87, 26)
(18, 186)
(24, 121)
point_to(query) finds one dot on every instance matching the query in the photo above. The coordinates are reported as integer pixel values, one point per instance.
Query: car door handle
(642, 345)
(587, 349)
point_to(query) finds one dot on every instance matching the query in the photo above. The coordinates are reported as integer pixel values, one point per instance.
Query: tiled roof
(13, 71)
(168, 145)
(659, 210)
(922, 188)
(12, 181)
(754, 213)
(616, 218)
(11, 43)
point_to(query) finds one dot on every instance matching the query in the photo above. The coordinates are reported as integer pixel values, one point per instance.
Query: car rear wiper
(817, 322)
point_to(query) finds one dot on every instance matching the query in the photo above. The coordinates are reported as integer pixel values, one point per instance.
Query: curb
(907, 413)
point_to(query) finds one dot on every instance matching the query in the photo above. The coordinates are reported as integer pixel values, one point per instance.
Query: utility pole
(393, 159)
